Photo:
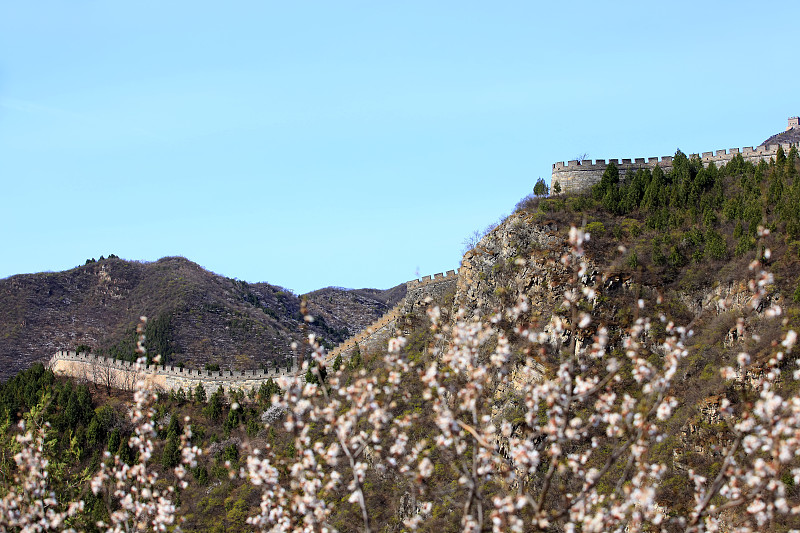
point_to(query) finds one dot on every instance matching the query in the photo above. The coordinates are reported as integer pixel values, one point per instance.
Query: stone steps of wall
(391, 316)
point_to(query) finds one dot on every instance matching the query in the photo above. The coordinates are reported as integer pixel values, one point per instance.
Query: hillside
(352, 309)
(196, 317)
(791, 136)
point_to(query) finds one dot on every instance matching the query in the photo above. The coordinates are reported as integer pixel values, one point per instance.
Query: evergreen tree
(200, 393)
(780, 157)
(652, 199)
(355, 358)
(540, 189)
(172, 449)
(214, 408)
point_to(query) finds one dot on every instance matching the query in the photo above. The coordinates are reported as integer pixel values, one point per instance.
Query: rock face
(531, 249)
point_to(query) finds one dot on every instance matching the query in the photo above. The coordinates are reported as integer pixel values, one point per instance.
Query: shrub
(716, 248)
(596, 229)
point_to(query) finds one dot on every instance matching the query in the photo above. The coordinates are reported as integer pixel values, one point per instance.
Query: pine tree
(172, 449)
(200, 393)
(540, 189)
(355, 358)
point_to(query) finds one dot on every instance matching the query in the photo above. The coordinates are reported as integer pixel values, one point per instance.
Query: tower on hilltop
(794, 122)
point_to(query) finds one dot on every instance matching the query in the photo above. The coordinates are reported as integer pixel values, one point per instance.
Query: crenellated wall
(436, 278)
(384, 327)
(418, 291)
(384, 322)
(124, 374)
(577, 176)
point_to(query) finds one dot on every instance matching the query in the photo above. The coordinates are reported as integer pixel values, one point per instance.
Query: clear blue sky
(356, 144)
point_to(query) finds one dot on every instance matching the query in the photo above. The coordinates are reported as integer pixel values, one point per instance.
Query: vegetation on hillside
(196, 316)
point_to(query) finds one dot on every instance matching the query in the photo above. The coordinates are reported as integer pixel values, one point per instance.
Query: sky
(351, 144)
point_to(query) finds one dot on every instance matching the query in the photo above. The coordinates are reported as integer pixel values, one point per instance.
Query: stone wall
(124, 374)
(417, 291)
(377, 334)
(385, 322)
(577, 176)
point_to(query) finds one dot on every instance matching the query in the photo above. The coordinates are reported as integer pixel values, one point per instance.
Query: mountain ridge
(197, 318)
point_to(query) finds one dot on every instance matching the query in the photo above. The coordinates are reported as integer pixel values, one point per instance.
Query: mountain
(195, 317)
(791, 135)
(352, 309)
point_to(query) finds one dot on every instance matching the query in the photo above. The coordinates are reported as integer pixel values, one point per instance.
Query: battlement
(577, 176)
(393, 314)
(436, 278)
(174, 371)
(125, 374)
(390, 317)
(794, 122)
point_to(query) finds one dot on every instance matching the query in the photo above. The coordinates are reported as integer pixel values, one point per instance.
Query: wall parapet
(436, 278)
(576, 176)
(169, 370)
(123, 375)
(392, 315)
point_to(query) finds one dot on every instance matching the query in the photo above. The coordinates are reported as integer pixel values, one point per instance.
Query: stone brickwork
(387, 321)
(578, 176)
(124, 374)
(417, 291)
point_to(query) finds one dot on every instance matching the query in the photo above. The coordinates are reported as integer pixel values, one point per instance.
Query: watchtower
(794, 122)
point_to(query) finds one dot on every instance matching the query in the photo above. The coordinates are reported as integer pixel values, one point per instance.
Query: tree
(200, 393)
(104, 373)
(355, 358)
(214, 408)
(609, 183)
(556, 187)
(541, 188)
(171, 456)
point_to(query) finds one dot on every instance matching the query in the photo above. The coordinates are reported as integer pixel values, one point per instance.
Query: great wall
(119, 374)
(123, 375)
(578, 176)
(574, 176)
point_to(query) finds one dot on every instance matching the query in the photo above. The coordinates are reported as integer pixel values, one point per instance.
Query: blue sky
(354, 144)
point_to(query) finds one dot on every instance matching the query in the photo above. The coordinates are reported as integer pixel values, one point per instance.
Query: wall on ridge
(124, 374)
(377, 334)
(577, 176)
(418, 291)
